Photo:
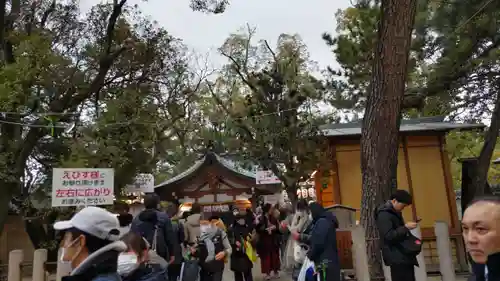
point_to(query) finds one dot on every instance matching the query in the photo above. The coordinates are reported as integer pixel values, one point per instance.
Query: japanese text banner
(82, 187)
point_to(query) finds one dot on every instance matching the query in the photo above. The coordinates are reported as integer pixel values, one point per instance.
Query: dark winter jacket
(125, 222)
(239, 259)
(493, 265)
(323, 241)
(393, 232)
(147, 272)
(144, 224)
(178, 230)
(227, 217)
(250, 220)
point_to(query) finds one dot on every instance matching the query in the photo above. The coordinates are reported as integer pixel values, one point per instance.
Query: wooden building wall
(423, 170)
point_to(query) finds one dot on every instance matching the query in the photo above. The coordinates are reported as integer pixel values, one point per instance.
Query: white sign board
(82, 187)
(272, 199)
(266, 177)
(142, 183)
(215, 208)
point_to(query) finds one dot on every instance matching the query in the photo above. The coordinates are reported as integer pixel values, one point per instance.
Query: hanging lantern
(299, 193)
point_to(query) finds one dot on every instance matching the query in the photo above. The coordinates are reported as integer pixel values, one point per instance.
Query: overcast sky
(204, 33)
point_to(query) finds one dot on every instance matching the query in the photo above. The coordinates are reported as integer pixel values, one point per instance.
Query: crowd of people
(166, 245)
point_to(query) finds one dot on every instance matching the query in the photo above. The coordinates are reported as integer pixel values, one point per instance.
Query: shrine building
(215, 183)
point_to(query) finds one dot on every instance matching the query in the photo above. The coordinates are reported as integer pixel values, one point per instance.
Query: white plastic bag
(303, 270)
(299, 252)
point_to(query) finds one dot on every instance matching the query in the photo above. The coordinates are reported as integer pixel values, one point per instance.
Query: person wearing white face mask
(211, 250)
(90, 245)
(135, 263)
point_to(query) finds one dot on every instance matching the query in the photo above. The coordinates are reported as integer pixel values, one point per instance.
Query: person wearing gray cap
(90, 245)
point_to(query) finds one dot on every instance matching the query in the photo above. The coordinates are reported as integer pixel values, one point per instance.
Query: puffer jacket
(101, 265)
(323, 245)
(145, 223)
(178, 230)
(239, 259)
(393, 232)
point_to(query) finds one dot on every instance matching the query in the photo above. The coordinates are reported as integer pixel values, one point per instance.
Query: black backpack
(147, 230)
(178, 228)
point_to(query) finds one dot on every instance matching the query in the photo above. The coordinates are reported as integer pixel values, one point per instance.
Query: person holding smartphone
(393, 233)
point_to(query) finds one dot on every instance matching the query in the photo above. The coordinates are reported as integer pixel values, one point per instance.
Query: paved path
(257, 276)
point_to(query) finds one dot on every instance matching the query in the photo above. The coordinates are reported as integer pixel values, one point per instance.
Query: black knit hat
(402, 196)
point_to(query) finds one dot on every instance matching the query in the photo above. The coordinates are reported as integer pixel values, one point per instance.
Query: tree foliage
(460, 145)
(454, 51)
(116, 79)
(453, 68)
(270, 97)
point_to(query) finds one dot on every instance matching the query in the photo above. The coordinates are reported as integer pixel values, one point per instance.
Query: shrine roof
(433, 124)
(208, 159)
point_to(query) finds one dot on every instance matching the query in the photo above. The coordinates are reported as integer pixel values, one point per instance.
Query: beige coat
(299, 220)
(192, 228)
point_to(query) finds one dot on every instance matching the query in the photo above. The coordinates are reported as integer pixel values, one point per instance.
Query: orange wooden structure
(423, 170)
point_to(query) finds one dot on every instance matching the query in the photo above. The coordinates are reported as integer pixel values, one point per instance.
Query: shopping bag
(190, 271)
(250, 251)
(307, 266)
(299, 252)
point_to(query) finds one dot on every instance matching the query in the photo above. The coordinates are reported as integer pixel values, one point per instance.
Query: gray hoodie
(192, 228)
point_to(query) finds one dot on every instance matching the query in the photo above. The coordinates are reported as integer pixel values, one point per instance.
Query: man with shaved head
(481, 232)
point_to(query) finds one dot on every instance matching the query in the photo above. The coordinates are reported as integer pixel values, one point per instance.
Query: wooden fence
(17, 270)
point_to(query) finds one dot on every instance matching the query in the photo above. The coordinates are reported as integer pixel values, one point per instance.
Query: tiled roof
(410, 125)
(207, 159)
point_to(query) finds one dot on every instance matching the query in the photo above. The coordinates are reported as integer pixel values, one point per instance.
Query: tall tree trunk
(379, 137)
(5, 197)
(480, 174)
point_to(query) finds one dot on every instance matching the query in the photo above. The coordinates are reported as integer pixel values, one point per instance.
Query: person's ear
(82, 241)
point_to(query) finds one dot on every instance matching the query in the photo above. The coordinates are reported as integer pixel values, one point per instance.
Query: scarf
(207, 236)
